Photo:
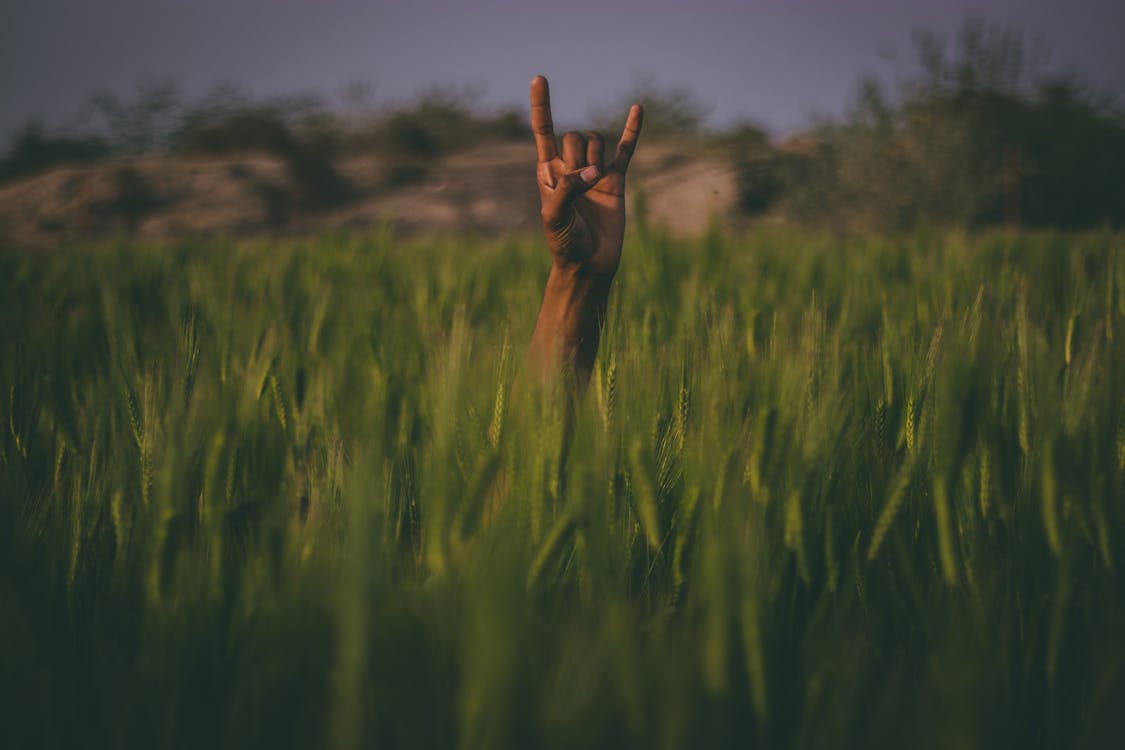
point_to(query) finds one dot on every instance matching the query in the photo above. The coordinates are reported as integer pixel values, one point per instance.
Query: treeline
(308, 135)
(975, 132)
(978, 133)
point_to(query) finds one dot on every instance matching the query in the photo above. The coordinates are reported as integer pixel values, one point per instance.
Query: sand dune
(488, 190)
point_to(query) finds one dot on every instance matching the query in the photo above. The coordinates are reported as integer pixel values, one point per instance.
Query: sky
(779, 63)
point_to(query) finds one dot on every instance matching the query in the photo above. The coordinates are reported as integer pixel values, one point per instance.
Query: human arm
(582, 202)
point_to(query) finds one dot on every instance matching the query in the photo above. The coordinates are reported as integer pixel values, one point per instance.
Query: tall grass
(822, 492)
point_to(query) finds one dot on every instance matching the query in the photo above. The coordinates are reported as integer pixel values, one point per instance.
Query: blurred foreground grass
(821, 493)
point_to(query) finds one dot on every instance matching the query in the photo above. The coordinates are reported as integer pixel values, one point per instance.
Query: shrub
(979, 136)
(134, 197)
(33, 150)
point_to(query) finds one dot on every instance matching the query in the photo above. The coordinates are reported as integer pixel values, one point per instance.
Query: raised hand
(582, 197)
(583, 206)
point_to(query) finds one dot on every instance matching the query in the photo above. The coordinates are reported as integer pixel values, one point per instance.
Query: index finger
(541, 123)
(629, 136)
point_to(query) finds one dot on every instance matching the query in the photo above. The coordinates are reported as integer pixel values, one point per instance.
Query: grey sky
(773, 61)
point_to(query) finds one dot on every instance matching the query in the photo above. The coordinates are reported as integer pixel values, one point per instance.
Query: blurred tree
(299, 130)
(669, 110)
(143, 125)
(34, 150)
(977, 134)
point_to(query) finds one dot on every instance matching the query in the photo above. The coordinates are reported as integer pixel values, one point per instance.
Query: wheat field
(822, 492)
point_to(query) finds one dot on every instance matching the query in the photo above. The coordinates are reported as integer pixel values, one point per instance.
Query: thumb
(573, 184)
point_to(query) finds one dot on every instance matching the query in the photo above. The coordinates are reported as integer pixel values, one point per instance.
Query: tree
(978, 133)
(670, 111)
(143, 125)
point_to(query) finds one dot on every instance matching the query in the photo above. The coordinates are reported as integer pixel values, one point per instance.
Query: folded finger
(595, 151)
(574, 150)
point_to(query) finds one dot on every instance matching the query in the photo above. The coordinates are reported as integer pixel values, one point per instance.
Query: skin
(583, 209)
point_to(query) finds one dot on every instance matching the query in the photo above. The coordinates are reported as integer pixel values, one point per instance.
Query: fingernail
(589, 174)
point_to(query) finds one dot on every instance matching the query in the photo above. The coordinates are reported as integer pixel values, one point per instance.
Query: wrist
(578, 279)
(600, 265)
(569, 325)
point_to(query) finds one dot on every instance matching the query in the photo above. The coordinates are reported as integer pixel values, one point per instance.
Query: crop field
(821, 492)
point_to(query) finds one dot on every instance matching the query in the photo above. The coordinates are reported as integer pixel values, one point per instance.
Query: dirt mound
(488, 190)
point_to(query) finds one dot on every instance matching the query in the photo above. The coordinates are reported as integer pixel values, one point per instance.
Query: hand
(582, 198)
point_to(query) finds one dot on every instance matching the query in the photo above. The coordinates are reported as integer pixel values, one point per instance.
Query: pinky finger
(628, 143)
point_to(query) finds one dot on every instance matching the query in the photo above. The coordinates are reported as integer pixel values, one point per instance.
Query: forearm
(570, 321)
(582, 201)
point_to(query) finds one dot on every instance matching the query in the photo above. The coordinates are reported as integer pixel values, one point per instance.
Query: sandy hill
(489, 190)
